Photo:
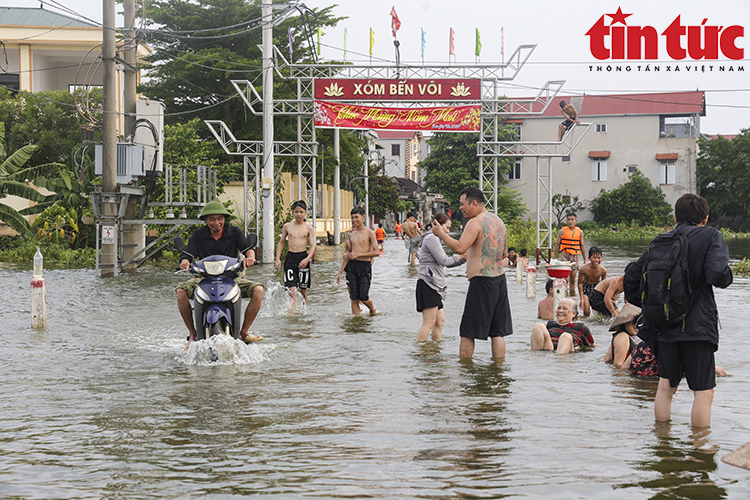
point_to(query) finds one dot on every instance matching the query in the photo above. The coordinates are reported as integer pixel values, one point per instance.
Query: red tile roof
(599, 154)
(668, 103)
(395, 134)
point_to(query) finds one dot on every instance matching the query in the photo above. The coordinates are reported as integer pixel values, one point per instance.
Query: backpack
(665, 290)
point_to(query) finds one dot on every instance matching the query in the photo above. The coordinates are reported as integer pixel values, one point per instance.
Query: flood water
(104, 403)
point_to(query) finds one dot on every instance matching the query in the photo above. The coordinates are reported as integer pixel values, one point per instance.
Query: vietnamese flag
(395, 21)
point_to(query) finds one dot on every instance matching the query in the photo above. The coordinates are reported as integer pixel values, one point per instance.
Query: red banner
(362, 89)
(445, 118)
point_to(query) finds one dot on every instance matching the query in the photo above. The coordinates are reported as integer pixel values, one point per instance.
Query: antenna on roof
(41, 4)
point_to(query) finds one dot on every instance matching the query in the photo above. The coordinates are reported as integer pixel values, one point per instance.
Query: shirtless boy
(589, 276)
(297, 263)
(487, 310)
(363, 247)
(546, 308)
(510, 260)
(571, 117)
(603, 298)
(412, 231)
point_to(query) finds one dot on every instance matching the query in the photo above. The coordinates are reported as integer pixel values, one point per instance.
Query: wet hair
(511, 249)
(548, 286)
(575, 308)
(630, 264)
(562, 104)
(301, 204)
(594, 251)
(691, 208)
(380, 224)
(523, 252)
(358, 210)
(441, 218)
(571, 214)
(410, 215)
(473, 193)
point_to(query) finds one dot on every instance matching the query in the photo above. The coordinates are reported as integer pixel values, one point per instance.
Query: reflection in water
(683, 466)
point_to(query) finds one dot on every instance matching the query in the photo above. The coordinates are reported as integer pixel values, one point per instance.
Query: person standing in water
(363, 247)
(484, 240)
(300, 235)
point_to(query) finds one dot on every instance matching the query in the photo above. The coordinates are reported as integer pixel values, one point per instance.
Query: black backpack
(665, 290)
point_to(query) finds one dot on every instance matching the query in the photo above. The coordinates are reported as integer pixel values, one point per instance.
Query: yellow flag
(372, 40)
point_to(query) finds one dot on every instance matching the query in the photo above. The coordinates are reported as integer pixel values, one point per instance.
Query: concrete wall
(632, 140)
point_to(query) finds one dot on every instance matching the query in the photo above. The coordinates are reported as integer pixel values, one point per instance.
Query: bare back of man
(486, 311)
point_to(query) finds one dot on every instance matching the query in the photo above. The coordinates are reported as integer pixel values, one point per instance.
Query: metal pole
(129, 90)
(245, 159)
(367, 192)
(268, 159)
(109, 130)
(337, 189)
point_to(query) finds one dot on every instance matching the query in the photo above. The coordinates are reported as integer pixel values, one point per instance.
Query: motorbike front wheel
(220, 327)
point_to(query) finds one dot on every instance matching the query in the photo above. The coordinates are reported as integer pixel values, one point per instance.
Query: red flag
(395, 21)
(452, 47)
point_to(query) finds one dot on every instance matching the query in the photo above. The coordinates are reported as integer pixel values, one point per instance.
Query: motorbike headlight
(215, 268)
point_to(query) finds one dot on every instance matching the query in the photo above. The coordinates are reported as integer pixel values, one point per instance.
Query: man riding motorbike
(219, 238)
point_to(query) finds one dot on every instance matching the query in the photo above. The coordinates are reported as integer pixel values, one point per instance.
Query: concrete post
(269, 189)
(337, 188)
(559, 291)
(530, 282)
(38, 303)
(109, 131)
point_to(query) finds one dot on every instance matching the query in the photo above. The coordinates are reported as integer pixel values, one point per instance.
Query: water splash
(278, 302)
(224, 350)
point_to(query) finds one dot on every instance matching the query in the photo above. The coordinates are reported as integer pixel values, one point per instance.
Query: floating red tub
(558, 271)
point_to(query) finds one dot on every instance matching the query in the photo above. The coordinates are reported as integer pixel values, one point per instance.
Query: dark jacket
(202, 244)
(708, 264)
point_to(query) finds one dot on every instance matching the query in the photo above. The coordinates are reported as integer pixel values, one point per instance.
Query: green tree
(384, 197)
(637, 202)
(199, 47)
(10, 171)
(453, 165)
(724, 178)
(562, 204)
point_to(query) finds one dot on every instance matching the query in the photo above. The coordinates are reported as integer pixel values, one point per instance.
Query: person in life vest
(380, 235)
(569, 246)
(398, 230)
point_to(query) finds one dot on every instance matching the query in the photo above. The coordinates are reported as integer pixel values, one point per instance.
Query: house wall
(631, 140)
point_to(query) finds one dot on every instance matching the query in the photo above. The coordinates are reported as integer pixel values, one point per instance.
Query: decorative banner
(361, 89)
(446, 118)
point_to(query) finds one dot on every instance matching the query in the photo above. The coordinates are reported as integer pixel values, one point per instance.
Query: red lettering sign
(445, 118)
(642, 42)
(360, 89)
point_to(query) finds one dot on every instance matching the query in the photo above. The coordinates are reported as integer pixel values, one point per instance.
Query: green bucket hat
(214, 208)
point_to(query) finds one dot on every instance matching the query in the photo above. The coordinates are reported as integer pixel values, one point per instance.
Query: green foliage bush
(637, 202)
(742, 267)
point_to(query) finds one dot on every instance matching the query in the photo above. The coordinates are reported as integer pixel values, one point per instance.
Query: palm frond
(22, 190)
(15, 161)
(16, 222)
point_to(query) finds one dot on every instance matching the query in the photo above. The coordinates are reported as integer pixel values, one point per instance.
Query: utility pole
(129, 55)
(337, 188)
(133, 235)
(109, 143)
(268, 159)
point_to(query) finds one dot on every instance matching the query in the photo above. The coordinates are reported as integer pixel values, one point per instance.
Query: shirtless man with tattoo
(487, 310)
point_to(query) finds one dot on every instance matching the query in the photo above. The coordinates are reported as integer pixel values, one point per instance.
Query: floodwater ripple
(105, 403)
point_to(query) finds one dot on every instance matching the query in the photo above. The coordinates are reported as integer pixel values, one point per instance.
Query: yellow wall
(233, 194)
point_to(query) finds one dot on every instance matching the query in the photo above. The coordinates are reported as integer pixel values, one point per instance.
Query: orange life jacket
(571, 241)
(380, 233)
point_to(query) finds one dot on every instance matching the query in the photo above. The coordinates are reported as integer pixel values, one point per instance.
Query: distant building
(655, 133)
(44, 50)
(402, 151)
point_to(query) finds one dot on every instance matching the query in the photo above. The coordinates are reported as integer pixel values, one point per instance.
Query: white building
(655, 133)
(402, 151)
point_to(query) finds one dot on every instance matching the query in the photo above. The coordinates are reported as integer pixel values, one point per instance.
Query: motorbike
(217, 305)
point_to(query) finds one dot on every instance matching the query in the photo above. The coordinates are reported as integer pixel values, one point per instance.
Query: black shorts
(596, 301)
(359, 275)
(294, 277)
(693, 359)
(568, 123)
(487, 310)
(427, 297)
